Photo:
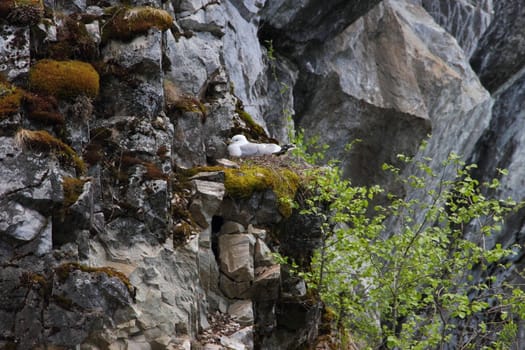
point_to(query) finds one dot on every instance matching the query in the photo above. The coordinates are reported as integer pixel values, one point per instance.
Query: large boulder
(387, 81)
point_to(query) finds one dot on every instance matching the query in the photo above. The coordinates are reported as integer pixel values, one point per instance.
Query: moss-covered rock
(246, 125)
(22, 12)
(249, 178)
(73, 188)
(43, 109)
(43, 141)
(176, 100)
(64, 79)
(10, 99)
(128, 23)
(63, 271)
(250, 123)
(73, 41)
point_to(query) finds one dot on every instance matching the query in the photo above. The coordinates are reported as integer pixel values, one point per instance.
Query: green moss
(32, 279)
(250, 123)
(64, 79)
(242, 183)
(181, 232)
(10, 99)
(63, 271)
(126, 24)
(42, 141)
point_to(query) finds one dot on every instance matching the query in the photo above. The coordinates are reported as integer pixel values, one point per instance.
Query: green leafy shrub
(403, 275)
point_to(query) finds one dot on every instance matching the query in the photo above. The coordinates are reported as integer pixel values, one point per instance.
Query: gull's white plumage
(241, 147)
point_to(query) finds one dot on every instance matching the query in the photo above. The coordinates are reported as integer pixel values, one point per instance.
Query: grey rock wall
(499, 54)
(466, 20)
(139, 256)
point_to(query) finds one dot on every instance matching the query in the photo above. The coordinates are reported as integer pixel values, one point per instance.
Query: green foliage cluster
(402, 274)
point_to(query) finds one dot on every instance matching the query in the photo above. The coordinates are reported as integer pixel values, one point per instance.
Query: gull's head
(239, 139)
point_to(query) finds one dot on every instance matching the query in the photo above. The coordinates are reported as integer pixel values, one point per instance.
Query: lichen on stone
(64, 79)
(128, 23)
(43, 141)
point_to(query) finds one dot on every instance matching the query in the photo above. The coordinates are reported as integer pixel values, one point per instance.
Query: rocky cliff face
(111, 237)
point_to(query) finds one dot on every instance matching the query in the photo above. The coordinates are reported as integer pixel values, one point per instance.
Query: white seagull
(241, 147)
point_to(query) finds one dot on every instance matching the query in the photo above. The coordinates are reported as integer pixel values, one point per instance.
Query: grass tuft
(43, 141)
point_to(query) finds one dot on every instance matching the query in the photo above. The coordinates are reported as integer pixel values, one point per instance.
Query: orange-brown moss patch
(64, 79)
(73, 188)
(63, 271)
(22, 12)
(93, 153)
(73, 41)
(43, 141)
(43, 109)
(10, 99)
(127, 24)
(163, 152)
(153, 172)
(176, 100)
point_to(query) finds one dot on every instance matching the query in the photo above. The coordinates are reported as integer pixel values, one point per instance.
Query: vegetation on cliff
(128, 23)
(42, 141)
(10, 99)
(64, 79)
(261, 176)
(22, 12)
(419, 272)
